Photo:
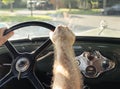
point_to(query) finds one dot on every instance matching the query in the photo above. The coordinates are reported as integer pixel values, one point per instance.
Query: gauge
(105, 64)
(91, 71)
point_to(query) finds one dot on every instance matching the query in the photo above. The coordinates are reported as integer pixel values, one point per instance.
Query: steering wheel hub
(22, 64)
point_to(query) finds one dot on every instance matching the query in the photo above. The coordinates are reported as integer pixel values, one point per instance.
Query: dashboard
(98, 59)
(92, 64)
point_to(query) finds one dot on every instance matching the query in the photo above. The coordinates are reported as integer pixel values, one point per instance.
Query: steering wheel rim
(22, 65)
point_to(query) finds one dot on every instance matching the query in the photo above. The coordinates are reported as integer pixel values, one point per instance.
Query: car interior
(27, 63)
(26, 59)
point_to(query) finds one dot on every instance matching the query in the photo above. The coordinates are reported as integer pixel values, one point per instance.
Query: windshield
(83, 17)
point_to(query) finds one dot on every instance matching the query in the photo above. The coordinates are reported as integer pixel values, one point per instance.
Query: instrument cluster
(93, 63)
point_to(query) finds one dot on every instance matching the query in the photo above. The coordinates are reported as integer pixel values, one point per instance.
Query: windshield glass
(99, 18)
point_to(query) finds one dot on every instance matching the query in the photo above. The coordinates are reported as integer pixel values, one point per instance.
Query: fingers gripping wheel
(23, 63)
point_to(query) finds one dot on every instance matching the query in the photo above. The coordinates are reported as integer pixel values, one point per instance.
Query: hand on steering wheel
(22, 65)
(3, 39)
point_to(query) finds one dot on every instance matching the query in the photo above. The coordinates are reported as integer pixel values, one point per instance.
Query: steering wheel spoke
(25, 62)
(6, 79)
(35, 81)
(39, 50)
(14, 53)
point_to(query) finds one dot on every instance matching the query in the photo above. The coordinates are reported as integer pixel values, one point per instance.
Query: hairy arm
(66, 74)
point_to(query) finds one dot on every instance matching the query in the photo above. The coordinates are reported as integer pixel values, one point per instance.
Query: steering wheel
(23, 64)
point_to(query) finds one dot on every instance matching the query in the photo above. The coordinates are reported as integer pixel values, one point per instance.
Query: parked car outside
(113, 10)
(31, 4)
(39, 5)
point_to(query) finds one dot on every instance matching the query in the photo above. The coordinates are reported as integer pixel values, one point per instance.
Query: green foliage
(20, 18)
(80, 11)
(8, 1)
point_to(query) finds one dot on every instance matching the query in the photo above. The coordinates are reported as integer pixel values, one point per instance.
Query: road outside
(82, 22)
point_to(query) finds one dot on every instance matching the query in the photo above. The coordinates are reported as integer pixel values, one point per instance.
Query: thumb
(5, 38)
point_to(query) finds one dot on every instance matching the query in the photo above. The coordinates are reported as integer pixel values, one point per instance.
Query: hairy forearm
(66, 72)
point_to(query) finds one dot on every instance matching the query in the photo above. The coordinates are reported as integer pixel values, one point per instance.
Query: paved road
(94, 21)
(27, 12)
(83, 22)
(90, 21)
